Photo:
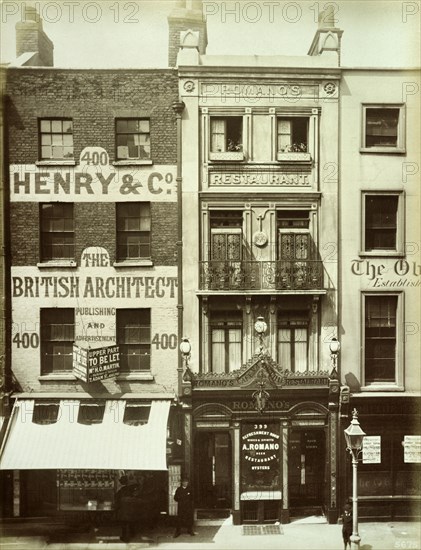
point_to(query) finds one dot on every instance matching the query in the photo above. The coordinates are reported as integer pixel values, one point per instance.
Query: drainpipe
(178, 107)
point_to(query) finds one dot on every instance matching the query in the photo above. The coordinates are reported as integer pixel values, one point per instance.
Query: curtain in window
(234, 347)
(284, 348)
(218, 131)
(300, 349)
(218, 350)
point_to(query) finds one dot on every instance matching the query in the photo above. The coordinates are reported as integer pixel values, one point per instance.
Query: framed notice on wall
(412, 448)
(372, 449)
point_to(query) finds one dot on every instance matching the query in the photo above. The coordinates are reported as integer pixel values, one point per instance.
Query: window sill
(227, 156)
(56, 376)
(294, 157)
(387, 150)
(55, 163)
(135, 376)
(134, 263)
(382, 387)
(382, 253)
(57, 263)
(133, 162)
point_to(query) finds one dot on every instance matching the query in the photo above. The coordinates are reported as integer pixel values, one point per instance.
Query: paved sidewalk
(298, 535)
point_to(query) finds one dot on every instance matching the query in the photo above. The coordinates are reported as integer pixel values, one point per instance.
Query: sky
(134, 34)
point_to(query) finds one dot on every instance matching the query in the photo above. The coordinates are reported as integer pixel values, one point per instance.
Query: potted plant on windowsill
(296, 152)
(234, 151)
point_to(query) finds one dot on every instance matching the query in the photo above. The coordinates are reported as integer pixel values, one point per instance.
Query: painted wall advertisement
(91, 365)
(260, 453)
(94, 178)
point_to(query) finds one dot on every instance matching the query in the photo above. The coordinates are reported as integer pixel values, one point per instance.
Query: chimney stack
(187, 15)
(327, 39)
(31, 39)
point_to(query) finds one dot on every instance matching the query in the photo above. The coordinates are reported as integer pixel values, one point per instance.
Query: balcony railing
(254, 275)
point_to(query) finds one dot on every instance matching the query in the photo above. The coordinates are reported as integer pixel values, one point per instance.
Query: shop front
(67, 465)
(263, 442)
(389, 474)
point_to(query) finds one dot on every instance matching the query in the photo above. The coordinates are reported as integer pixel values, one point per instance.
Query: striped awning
(67, 444)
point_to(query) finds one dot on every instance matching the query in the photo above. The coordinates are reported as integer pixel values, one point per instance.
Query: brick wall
(31, 38)
(177, 26)
(24, 231)
(164, 233)
(93, 98)
(95, 225)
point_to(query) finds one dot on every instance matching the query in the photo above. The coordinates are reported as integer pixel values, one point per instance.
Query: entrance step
(213, 514)
(307, 514)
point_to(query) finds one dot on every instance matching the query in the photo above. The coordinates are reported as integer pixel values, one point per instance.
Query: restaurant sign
(91, 365)
(260, 451)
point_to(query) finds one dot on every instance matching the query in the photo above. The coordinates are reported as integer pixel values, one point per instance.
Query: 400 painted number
(26, 340)
(165, 341)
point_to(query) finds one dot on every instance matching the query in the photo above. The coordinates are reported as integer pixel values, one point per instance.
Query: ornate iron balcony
(253, 275)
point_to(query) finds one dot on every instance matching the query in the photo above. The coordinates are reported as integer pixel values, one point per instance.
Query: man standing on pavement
(184, 497)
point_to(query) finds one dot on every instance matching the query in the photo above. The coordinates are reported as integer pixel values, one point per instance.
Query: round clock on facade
(260, 238)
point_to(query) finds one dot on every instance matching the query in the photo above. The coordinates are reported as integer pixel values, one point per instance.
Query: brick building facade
(251, 205)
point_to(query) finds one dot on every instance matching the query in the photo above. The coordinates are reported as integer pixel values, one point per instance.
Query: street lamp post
(185, 349)
(354, 437)
(334, 347)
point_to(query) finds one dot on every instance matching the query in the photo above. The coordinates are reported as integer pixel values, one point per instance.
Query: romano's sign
(91, 365)
(260, 453)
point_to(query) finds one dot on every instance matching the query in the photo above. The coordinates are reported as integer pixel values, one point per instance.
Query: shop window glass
(136, 415)
(45, 413)
(91, 413)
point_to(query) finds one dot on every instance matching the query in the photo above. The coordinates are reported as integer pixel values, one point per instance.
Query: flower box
(294, 157)
(227, 155)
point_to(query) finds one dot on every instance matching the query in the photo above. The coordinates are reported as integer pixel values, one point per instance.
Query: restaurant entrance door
(306, 467)
(213, 473)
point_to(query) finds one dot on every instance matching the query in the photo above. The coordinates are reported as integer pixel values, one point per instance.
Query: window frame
(233, 155)
(400, 224)
(127, 232)
(128, 159)
(232, 320)
(401, 129)
(140, 344)
(301, 321)
(55, 259)
(297, 155)
(398, 383)
(51, 133)
(44, 341)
